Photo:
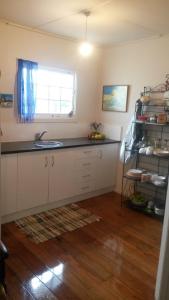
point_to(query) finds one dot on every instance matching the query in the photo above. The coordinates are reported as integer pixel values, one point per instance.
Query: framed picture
(115, 98)
(6, 100)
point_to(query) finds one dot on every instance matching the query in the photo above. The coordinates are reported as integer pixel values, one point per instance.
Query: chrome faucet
(38, 136)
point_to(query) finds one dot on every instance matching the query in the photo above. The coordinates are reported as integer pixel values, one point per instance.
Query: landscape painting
(115, 98)
(6, 100)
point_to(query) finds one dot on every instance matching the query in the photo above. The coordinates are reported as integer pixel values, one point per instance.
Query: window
(56, 92)
(44, 93)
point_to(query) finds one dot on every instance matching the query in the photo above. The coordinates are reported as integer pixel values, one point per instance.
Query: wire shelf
(152, 163)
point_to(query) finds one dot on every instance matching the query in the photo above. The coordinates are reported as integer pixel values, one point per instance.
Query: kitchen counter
(28, 146)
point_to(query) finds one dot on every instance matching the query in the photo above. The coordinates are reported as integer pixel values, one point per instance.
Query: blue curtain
(26, 89)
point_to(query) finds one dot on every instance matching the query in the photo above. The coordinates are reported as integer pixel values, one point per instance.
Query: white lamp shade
(86, 49)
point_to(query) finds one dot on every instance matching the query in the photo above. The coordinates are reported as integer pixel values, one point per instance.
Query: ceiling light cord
(86, 14)
(86, 28)
(86, 48)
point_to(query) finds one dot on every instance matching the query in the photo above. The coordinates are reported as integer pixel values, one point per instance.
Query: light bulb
(86, 49)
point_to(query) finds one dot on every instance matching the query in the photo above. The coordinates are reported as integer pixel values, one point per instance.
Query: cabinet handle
(86, 176)
(1, 132)
(53, 160)
(85, 187)
(46, 161)
(86, 164)
(100, 154)
(87, 151)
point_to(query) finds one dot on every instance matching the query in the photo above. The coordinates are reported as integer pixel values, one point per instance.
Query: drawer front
(85, 176)
(86, 187)
(85, 163)
(87, 153)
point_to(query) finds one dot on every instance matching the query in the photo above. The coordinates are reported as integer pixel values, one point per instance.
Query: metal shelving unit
(151, 163)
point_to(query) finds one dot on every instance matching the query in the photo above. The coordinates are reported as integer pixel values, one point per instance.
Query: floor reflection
(35, 283)
(58, 270)
(115, 245)
(46, 276)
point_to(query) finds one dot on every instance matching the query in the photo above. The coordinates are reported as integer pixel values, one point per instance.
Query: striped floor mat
(52, 223)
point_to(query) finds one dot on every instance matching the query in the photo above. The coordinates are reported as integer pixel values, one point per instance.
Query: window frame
(60, 118)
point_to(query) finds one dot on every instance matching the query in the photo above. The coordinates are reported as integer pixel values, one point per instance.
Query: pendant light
(86, 48)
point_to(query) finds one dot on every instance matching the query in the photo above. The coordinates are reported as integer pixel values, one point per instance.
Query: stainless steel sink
(48, 144)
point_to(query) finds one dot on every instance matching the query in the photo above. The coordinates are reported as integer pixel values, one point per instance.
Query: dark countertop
(28, 146)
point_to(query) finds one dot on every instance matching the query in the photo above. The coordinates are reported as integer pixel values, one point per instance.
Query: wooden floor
(114, 259)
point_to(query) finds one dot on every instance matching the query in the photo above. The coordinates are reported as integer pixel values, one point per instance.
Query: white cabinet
(61, 175)
(37, 178)
(8, 184)
(106, 166)
(96, 167)
(45, 176)
(32, 179)
(85, 169)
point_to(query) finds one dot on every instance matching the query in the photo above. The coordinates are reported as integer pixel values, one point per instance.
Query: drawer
(86, 187)
(85, 163)
(87, 153)
(85, 177)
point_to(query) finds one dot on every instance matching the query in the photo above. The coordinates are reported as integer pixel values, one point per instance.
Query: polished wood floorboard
(114, 259)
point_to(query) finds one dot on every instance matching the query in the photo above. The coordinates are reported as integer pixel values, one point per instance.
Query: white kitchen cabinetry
(45, 176)
(84, 172)
(32, 179)
(61, 175)
(8, 184)
(95, 167)
(106, 166)
(39, 178)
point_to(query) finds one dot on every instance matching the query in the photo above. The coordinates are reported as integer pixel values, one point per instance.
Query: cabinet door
(61, 175)
(32, 179)
(8, 184)
(105, 170)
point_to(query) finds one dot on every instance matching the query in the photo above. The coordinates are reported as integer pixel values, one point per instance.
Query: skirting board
(35, 210)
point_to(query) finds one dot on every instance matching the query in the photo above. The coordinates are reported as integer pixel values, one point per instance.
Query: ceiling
(111, 21)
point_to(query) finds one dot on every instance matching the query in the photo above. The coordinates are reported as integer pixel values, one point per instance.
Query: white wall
(139, 64)
(53, 52)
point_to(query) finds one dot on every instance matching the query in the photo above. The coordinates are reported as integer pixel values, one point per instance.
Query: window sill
(55, 120)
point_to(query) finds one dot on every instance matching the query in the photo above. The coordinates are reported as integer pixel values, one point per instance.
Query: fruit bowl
(96, 136)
